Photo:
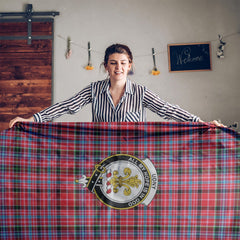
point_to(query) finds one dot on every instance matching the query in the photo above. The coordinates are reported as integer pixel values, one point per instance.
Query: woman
(115, 99)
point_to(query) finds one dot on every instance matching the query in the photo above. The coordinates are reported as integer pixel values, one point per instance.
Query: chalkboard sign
(189, 57)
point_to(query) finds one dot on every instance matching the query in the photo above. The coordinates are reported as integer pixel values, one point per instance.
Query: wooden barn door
(25, 68)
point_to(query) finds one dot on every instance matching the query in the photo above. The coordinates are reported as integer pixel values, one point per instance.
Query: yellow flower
(88, 67)
(155, 72)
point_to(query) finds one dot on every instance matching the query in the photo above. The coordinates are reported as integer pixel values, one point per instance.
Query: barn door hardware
(29, 15)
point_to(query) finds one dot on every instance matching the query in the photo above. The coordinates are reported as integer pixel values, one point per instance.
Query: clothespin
(155, 70)
(89, 65)
(220, 50)
(69, 51)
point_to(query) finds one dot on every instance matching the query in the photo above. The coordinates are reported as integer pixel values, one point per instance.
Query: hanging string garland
(221, 46)
(89, 65)
(155, 71)
(69, 50)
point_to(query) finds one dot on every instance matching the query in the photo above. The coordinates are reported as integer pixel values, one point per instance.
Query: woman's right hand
(19, 119)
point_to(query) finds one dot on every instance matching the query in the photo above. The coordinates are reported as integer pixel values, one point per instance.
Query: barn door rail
(28, 16)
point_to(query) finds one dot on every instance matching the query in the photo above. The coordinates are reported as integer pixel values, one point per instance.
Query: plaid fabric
(198, 169)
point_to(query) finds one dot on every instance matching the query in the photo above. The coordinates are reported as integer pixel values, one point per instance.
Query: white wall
(143, 24)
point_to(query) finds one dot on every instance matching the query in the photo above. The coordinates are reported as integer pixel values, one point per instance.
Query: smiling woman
(115, 99)
(118, 66)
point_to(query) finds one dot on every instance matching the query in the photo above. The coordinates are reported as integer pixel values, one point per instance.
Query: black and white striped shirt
(131, 107)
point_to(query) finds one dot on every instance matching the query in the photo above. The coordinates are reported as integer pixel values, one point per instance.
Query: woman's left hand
(218, 124)
(215, 122)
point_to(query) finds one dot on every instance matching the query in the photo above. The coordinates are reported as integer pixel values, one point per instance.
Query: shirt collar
(127, 90)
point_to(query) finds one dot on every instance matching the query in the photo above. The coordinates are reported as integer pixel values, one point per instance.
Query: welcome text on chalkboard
(189, 57)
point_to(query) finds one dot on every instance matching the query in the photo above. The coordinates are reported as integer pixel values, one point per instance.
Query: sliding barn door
(25, 68)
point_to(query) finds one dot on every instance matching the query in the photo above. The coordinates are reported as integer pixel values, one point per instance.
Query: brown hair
(117, 48)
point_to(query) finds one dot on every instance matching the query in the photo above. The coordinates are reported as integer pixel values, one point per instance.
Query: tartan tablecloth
(198, 172)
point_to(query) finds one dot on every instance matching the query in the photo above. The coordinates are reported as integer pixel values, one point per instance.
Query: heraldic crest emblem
(123, 181)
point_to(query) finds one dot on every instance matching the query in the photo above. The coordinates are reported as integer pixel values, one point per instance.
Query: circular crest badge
(123, 181)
